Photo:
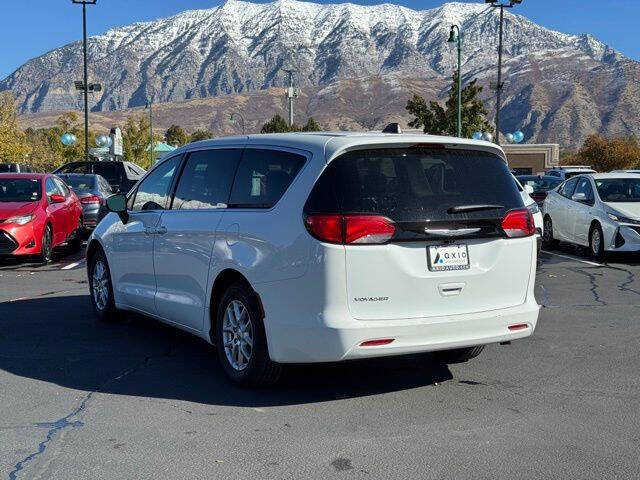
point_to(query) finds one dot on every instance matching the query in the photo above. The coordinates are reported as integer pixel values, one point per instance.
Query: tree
(605, 155)
(277, 124)
(311, 126)
(136, 140)
(13, 145)
(438, 120)
(176, 135)
(200, 135)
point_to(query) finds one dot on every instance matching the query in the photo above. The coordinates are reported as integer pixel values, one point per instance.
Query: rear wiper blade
(474, 208)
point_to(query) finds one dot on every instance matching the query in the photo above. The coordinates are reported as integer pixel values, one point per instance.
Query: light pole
(149, 105)
(500, 85)
(233, 116)
(456, 36)
(291, 94)
(85, 83)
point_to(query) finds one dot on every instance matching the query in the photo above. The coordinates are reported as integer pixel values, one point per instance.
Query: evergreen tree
(176, 136)
(438, 120)
(277, 124)
(311, 126)
(200, 135)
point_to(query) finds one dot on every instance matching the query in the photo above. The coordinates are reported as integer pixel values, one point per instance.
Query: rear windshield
(80, 183)
(4, 167)
(417, 185)
(19, 190)
(540, 184)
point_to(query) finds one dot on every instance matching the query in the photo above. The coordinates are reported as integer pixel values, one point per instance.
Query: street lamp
(85, 85)
(235, 115)
(500, 85)
(456, 36)
(149, 105)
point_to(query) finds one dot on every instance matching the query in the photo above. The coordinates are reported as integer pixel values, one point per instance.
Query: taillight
(351, 229)
(90, 199)
(518, 223)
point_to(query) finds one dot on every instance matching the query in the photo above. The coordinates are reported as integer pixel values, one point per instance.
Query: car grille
(7, 243)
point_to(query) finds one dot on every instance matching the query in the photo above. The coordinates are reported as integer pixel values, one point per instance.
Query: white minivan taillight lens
(518, 223)
(351, 229)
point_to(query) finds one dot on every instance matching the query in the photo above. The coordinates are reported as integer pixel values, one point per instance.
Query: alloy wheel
(46, 244)
(237, 335)
(548, 230)
(596, 241)
(100, 285)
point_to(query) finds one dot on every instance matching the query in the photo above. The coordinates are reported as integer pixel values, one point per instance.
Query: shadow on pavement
(57, 340)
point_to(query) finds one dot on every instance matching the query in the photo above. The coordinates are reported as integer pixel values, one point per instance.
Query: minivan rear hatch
(447, 251)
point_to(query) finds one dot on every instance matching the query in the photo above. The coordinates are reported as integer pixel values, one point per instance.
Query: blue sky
(33, 27)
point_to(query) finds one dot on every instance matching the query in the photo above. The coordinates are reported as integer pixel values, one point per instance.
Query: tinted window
(80, 183)
(5, 167)
(584, 186)
(104, 186)
(555, 174)
(14, 190)
(540, 184)
(206, 179)
(619, 189)
(153, 192)
(416, 185)
(111, 171)
(568, 188)
(263, 176)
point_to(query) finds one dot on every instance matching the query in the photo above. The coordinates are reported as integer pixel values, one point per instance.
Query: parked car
(532, 206)
(601, 211)
(565, 173)
(540, 185)
(122, 176)
(15, 168)
(37, 213)
(625, 171)
(294, 248)
(92, 190)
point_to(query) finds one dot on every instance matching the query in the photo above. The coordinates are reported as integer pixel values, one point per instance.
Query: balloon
(477, 135)
(509, 137)
(487, 136)
(518, 136)
(102, 140)
(73, 138)
(109, 142)
(67, 139)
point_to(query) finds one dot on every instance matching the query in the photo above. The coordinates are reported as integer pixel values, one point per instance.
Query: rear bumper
(330, 344)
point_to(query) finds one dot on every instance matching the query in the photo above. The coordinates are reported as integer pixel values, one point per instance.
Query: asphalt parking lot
(135, 399)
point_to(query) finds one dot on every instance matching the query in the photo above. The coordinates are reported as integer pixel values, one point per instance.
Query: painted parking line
(575, 259)
(71, 265)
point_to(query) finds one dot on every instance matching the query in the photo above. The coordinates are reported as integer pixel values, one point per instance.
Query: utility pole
(500, 85)
(149, 105)
(291, 94)
(86, 75)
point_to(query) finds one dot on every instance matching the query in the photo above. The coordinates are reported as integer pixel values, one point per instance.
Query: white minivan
(322, 247)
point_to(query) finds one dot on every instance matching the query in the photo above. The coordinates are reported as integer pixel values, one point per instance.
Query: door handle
(160, 230)
(149, 231)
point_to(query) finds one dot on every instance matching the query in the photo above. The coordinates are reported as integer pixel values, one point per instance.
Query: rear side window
(206, 179)
(416, 185)
(263, 176)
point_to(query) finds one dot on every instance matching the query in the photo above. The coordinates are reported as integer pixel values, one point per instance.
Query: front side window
(568, 188)
(206, 179)
(62, 187)
(52, 188)
(263, 176)
(619, 189)
(584, 186)
(22, 190)
(153, 193)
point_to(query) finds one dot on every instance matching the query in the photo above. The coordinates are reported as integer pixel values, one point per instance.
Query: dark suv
(15, 168)
(120, 175)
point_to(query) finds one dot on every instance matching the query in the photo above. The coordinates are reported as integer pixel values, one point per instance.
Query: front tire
(46, 245)
(596, 242)
(459, 355)
(101, 288)
(241, 341)
(547, 236)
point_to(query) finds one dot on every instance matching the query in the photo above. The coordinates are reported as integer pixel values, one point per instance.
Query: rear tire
(46, 245)
(101, 288)
(459, 355)
(547, 236)
(596, 242)
(241, 341)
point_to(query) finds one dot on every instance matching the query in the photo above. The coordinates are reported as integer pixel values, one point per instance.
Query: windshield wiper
(474, 208)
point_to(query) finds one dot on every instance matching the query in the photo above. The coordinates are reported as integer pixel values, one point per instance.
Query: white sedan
(599, 211)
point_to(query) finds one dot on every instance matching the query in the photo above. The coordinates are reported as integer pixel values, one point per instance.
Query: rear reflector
(90, 199)
(351, 229)
(519, 326)
(518, 223)
(377, 343)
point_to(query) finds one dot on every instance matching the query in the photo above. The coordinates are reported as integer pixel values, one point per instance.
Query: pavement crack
(631, 278)
(592, 281)
(66, 421)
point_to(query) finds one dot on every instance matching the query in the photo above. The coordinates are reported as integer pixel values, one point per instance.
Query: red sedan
(38, 212)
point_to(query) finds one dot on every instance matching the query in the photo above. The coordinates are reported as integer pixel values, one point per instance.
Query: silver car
(600, 211)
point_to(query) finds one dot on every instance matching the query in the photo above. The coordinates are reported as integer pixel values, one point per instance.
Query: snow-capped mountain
(553, 79)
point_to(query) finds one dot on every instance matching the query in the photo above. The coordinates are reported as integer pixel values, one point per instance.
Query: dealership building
(531, 159)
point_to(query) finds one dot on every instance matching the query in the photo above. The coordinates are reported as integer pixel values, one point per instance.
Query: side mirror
(56, 198)
(117, 203)
(579, 197)
(528, 189)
